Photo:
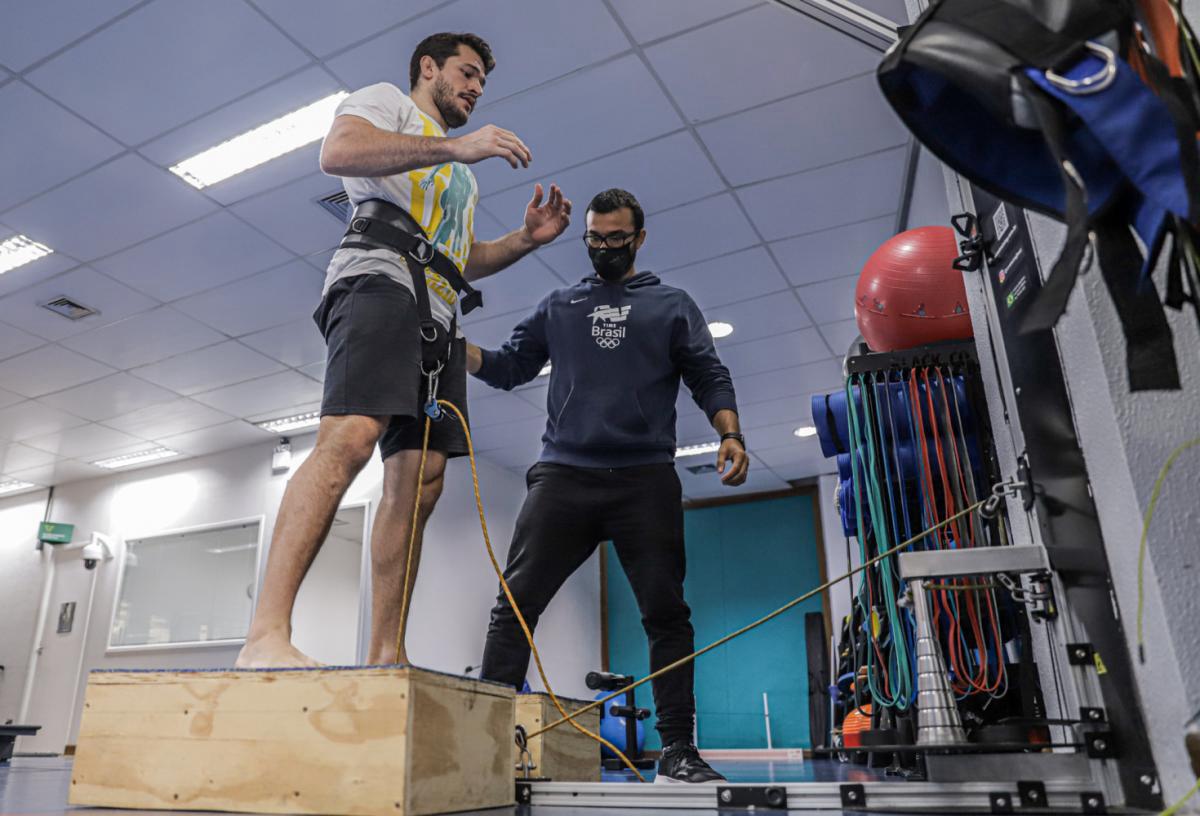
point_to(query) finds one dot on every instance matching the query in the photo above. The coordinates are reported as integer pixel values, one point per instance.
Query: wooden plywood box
(564, 754)
(372, 741)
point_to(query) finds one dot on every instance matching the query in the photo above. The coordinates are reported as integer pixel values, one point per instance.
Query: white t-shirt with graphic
(441, 199)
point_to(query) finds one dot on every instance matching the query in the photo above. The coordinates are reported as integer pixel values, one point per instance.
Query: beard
(448, 105)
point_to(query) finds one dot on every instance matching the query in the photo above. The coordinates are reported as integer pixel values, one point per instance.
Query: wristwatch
(740, 439)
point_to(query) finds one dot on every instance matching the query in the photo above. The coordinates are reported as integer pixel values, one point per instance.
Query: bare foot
(272, 653)
(390, 659)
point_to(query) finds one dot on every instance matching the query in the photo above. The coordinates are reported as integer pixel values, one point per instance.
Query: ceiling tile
(33, 418)
(773, 412)
(260, 396)
(929, 206)
(13, 341)
(792, 53)
(296, 344)
(524, 432)
(832, 253)
(832, 299)
(518, 289)
(840, 335)
(144, 338)
(8, 398)
(795, 381)
(708, 485)
(649, 21)
(204, 254)
(291, 216)
(664, 173)
(294, 409)
(33, 31)
(519, 457)
(731, 278)
(218, 438)
(314, 370)
(782, 434)
(279, 295)
(47, 369)
(563, 126)
(60, 472)
(108, 397)
(323, 27)
(167, 419)
(844, 193)
(110, 208)
(755, 356)
(490, 332)
(111, 300)
(819, 127)
(277, 99)
(502, 408)
(797, 461)
(692, 428)
(759, 317)
(893, 10)
(527, 53)
(216, 50)
(86, 442)
(15, 456)
(45, 267)
(49, 147)
(208, 368)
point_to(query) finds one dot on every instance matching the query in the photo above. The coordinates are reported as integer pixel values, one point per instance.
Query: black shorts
(373, 365)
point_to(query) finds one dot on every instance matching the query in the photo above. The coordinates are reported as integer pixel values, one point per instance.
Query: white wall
(454, 593)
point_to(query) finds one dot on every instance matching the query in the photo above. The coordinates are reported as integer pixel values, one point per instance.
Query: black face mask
(612, 264)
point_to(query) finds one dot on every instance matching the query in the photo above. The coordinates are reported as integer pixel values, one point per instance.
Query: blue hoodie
(618, 352)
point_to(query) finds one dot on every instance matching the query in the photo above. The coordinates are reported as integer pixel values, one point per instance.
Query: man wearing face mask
(620, 342)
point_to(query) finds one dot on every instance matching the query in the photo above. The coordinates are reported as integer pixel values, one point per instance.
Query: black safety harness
(379, 224)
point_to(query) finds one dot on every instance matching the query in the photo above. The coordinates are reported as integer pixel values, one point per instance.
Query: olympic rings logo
(608, 342)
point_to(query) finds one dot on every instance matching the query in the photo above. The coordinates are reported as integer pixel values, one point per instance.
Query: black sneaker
(681, 762)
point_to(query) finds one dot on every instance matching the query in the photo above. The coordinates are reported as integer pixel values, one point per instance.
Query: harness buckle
(423, 252)
(1090, 84)
(359, 225)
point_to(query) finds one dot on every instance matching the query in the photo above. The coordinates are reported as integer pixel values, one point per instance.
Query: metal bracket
(525, 789)
(1033, 794)
(1101, 744)
(1092, 802)
(1000, 802)
(1081, 654)
(853, 796)
(973, 561)
(1092, 715)
(771, 797)
(1025, 477)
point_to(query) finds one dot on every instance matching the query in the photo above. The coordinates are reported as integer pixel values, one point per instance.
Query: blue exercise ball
(612, 728)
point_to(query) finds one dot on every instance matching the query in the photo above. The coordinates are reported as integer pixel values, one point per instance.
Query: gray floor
(39, 786)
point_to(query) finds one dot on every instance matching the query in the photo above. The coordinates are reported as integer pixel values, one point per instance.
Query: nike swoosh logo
(580, 300)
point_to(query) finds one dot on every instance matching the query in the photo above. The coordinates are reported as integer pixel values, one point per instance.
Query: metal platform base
(1068, 796)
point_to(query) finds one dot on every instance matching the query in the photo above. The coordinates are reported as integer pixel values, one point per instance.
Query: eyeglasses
(614, 240)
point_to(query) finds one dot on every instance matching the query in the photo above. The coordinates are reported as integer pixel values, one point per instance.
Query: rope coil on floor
(570, 718)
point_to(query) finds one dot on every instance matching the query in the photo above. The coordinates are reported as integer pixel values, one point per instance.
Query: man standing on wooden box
(389, 318)
(619, 343)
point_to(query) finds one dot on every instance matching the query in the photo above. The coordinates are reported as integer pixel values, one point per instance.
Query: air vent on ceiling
(336, 204)
(709, 468)
(68, 308)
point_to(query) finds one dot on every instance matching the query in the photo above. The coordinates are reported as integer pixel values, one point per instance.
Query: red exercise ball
(909, 294)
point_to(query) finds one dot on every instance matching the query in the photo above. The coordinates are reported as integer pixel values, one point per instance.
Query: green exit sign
(50, 532)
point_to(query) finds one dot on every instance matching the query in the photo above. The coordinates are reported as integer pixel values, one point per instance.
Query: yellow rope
(790, 604)
(1173, 809)
(412, 540)
(1141, 568)
(487, 540)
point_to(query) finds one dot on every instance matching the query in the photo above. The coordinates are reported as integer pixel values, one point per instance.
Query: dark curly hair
(614, 199)
(445, 45)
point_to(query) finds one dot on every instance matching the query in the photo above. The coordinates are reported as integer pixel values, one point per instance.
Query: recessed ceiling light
(720, 329)
(805, 431)
(19, 250)
(296, 422)
(545, 370)
(13, 485)
(139, 458)
(697, 450)
(260, 145)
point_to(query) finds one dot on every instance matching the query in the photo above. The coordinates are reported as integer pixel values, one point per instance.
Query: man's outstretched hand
(733, 455)
(545, 222)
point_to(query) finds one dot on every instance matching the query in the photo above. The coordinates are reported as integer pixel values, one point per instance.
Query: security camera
(95, 552)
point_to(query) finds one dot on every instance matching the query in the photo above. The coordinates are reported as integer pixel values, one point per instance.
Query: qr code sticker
(1000, 221)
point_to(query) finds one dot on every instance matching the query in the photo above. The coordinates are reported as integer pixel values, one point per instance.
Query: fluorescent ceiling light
(230, 549)
(720, 329)
(13, 485)
(19, 250)
(696, 450)
(805, 431)
(260, 145)
(545, 370)
(139, 458)
(296, 422)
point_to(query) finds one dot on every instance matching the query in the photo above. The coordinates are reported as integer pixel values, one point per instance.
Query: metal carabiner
(1090, 84)
(423, 252)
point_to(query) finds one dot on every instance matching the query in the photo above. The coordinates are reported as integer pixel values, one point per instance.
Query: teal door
(744, 560)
